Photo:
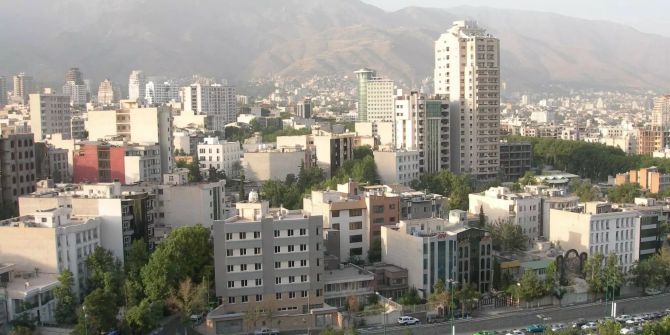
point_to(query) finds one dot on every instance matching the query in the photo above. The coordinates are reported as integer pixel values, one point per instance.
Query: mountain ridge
(240, 40)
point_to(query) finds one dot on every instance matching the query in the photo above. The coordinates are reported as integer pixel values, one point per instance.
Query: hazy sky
(645, 15)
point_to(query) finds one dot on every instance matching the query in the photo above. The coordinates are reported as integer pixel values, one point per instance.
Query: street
(524, 318)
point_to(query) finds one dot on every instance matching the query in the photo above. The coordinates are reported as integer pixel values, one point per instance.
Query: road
(523, 318)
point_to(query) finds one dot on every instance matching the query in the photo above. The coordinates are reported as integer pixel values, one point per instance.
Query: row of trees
(455, 186)
(174, 278)
(653, 272)
(465, 297)
(589, 160)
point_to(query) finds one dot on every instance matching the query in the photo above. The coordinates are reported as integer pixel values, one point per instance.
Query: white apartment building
(50, 114)
(27, 293)
(106, 93)
(331, 150)
(384, 132)
(216, 101)
(660, 115)
(158, 92)
(380, 98)
(77, 93)
(136, 85)
(269, 260)
(598, 228)
(142, 162)
(23, 87)
(346, 222)
(467, 69)
(218, 154)
(499, 204)
(52, 241)
(397, 166)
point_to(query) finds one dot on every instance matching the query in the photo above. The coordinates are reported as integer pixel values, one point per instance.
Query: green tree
(612, 275)
(586, 192)
(188, 299)
(137, 258)
(186, 253)
(441, 296)
(609, 327)
(22, 325)
(593, 273)
(528, 179)
(466, 296)
(482, 217)
(362, 152)
(531, 288)
(507, 236)
(104, 272)
(625, 193)
(143, 318)
(411, 297)
(456, 187)
(661, 327)
(375, 251)
(97, 314)
(194, 174)
(67, 306)
(653, 272)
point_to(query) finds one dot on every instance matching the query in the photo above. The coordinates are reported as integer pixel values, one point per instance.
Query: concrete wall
(262, 166)
(29, 248)
(405, 251)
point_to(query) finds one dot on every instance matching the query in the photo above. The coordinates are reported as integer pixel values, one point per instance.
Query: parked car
(590, 326)
(461, 315)
(635, 321)
(266, 331)
(623, 318)
(515, 332)
(652, 291)
(536, 328)
(626, 331)
(557, 326)
(407, 320)
(579, 323)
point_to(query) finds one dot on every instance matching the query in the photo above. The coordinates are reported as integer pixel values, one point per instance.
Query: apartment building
(50, 114)
(126, 163)
(649, 179)
(515, 159)
(106, 93)
(421, 205)
(397, 166)
(221, 155)
(432, 249)
(467, 70)
(17, 162)
(331, 150)
(501, 204)
(51, 241)
(217, 103)
(25, 292)
(269, 260)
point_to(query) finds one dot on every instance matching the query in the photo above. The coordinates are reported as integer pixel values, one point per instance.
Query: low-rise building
(346, 283)
(267, 164)
(106, 162)
(390, 281)
(501, 204)
(397, 166)
(27, 293)
(432, 249)
(650, 179)
(221, 155)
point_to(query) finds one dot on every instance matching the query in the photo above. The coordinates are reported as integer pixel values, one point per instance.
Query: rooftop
(26, 284)
(348, 273)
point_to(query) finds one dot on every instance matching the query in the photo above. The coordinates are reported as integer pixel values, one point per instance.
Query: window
(291, 295)
(231, 284)
(243, 267)
(355, 225)
(319, 292)
(380, 220)
(303, 294)
(355, 212)
(289, 232)
(335, 214)
(231, 300)
(291, 264)
(257, 251)
(303, 231)
(318, 277)
(318, 245)
(243, 252)
(355, 251)
(229, 252)
(355, 238)
(259, 282)
(291, 248)
(243, 236)
(259, 297)
(277, 280)
(291, 279)
(278, 296)
(277, 265)
(257, 234)
(243, 283)
(245, 299)
(303, 247)
(258, 266)
(277, 249)
(303, 262)
(378, 209)
(303, 278)
(277, 233)
(229, 236)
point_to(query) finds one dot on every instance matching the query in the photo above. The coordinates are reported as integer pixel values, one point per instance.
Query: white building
(500, 204)
(467, 69)
(77, 93)
(51, 241)
(50, 114)
(218, 154)
(27, 293)
(106, 93)
(216, 101)
(158, 92)
(137, 85)
(142, 162)
(380, 98)
(383, 132)
(397, 166)
(598, 228)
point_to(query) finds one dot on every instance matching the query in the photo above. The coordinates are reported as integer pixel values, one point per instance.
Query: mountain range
(244, 39)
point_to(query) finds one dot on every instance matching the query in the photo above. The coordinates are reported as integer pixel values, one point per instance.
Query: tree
(531, 288)
(363, 151)
(251, 317)
(440, 296)
(528, 179)
(507, 236)
(97, 314)
(482, 217)
(22, 325)
(466, 295)
(67, 307)
(188, 299)
(625, 193)
(661, 327)
(194, 174)
(609, 327)
(586, 192)
(104, 272)
(456, 187)
(411, 297)
(612, 276)
(593, 273)
(186, 253)
(652, 272)
(138, 257)
(143, 318)
(375, 251)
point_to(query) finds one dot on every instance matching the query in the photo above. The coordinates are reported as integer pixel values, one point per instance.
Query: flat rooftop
(348, 274)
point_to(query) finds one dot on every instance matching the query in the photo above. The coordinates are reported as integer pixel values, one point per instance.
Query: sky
(645, 15)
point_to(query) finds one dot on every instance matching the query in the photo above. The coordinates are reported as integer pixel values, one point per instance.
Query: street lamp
(383, 311)
(518, 294)
(451, 304)
(85, 317)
